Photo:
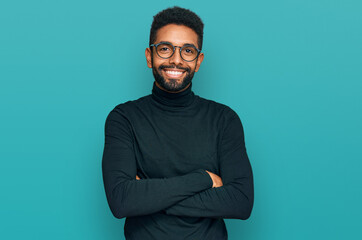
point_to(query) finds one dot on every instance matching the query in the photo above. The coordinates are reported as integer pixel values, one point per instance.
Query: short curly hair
(179, 16)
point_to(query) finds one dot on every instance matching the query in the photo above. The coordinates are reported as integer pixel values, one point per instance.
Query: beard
(172, 85)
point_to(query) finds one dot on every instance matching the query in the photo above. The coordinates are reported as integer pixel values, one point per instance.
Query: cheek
(157, 62)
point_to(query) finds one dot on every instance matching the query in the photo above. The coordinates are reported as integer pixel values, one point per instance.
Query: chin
(172, 85)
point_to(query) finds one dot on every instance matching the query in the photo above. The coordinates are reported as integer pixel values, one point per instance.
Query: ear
(199, 61)
(148, 54)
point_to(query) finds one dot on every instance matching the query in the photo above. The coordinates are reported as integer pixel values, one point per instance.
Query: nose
(176, 57)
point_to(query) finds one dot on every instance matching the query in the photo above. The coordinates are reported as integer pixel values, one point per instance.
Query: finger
(138, 178)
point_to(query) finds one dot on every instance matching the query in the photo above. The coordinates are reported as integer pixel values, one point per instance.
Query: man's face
(174, 74)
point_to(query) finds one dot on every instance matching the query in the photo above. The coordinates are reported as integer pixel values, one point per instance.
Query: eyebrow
(185, 44)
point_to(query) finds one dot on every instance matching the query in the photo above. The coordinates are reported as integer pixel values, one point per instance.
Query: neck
(181, 98)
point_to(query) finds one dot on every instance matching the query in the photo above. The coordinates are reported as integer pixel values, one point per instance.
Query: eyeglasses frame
(174, 49)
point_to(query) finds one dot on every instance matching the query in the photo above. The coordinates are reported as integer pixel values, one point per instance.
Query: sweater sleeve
(127, 196)
(235, 198)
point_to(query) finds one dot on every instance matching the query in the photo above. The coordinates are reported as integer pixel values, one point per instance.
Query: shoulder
(126, 109)
(131, 105)
(218, 108)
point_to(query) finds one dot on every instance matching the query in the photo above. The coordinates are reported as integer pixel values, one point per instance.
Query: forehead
(177, 35)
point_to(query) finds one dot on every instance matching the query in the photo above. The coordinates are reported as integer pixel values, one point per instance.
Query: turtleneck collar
(180, 99)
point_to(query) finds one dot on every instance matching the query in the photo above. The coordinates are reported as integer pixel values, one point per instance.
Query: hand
(138, 178)
(216, 180)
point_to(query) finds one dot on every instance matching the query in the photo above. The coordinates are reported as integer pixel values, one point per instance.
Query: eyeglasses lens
(189, 53)
(165, 50)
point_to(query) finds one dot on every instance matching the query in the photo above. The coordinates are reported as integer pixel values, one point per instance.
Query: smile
(173, 73)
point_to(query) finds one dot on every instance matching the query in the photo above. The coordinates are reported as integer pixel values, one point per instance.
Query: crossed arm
(216, 180)
(196, 194)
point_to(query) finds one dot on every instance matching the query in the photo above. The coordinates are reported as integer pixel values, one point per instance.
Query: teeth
(174, 72)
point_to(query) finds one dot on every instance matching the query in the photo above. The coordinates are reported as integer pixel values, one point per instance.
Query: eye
(164, 48)
(189, 50)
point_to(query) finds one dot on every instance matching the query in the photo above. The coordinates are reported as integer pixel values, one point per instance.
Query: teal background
(290, 69)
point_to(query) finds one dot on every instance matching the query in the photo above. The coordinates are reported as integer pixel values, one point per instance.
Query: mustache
(174, 66)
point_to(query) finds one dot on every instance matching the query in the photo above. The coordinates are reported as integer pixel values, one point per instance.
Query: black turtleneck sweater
(169, 140)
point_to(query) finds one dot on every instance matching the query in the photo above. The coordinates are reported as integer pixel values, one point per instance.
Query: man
(174, 163)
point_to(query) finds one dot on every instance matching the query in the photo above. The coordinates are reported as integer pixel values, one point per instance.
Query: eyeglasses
(165, 50)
